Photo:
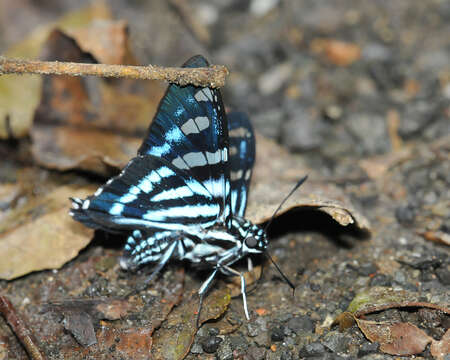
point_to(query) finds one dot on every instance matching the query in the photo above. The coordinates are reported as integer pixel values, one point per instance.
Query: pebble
(368, 348)
(367, 269)
(381, 280)
(252, 329)
(196, 348)
(405, 214)
(225, 352)
(311, 350)
(301, 323)
(337, 342)
(443, 274)
(256, 353)
(211, 343)
(277, 333)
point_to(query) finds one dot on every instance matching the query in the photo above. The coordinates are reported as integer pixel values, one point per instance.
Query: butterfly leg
(164, 259)
(202, 292)
(244, 296)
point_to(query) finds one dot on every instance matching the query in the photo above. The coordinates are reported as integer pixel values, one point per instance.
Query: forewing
(190, 131)
(242, 158)
(150, 193)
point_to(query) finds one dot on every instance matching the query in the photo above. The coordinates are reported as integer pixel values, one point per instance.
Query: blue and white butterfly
(184, 195)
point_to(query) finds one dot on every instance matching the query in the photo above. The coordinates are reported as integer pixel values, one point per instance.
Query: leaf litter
(394, 337)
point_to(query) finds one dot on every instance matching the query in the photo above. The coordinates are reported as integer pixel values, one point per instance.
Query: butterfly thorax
(220, 245)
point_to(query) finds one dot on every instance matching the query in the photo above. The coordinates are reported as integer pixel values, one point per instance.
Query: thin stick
(212, 76)
(17, 325)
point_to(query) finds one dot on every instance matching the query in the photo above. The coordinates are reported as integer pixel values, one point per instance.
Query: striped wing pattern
(190, 131)
(242, 158)
(183, 180)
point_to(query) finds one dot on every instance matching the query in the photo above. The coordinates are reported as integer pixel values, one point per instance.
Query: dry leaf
(395, 338)
(20, 95)
(43, 235)
(175, 338)
(437, 236)
(91, 123)
(439, 349)
(273, 180)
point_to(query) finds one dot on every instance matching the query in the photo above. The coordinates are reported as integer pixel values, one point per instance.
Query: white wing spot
(179, 163)
(203, 95)
(85, 205)
(195, 159)
(99, 191)
(202, 122)
(213, 158)
(247, 174)
(116, 209)
(189, 127)
(236, 175)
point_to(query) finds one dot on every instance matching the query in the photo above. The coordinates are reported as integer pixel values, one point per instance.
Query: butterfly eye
(251, 242)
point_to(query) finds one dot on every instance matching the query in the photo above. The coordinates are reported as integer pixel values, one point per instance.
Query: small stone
(211, 343)
(225, 352)
(443, 274)
(301, 323)
(213, 331)
(405, 214)
(367, 269)
(196, 349)
(277, 334)
(313, 349)
(314, 287)
(238, 343)
(252, 329)
(337, 342)
(368, 348)
(381, 280)
(256, 353)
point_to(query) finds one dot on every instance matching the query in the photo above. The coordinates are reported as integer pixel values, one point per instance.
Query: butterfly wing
(150, 193)
(190, 131)
(242, 158)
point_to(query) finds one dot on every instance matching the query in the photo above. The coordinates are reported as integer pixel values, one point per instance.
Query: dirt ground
(358, 94)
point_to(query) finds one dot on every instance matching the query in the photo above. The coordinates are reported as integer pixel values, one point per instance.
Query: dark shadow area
(308, 219)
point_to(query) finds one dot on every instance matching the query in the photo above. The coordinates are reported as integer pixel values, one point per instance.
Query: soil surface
(359, 92)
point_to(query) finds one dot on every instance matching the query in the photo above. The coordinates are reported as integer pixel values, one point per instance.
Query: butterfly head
(255, 241)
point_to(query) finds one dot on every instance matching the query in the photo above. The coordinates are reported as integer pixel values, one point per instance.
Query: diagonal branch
(212, 76)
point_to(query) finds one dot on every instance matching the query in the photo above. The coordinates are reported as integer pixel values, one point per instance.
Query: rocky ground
(359, 93)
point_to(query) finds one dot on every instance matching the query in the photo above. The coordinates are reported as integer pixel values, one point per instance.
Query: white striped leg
(244, 296)
(203, 290)
(165, 258)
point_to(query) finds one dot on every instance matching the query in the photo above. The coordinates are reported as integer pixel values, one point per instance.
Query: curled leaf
(395, 338)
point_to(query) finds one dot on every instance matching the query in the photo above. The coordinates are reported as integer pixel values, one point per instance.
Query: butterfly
(185, 193)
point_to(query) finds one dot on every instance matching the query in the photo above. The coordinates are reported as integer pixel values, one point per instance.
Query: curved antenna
(300, 182)
(285, 278)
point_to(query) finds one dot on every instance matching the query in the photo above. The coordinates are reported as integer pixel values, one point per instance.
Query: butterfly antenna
(281, 273)
(300, 182)
(285, 278)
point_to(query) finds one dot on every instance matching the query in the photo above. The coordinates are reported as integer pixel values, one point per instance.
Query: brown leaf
(175, 338)
(91, 123)
(380, 298)
(20, 95)
(42, 235)
(441, 348)
(345, 320)
(436, 236)
(395, 338)
(272, 180)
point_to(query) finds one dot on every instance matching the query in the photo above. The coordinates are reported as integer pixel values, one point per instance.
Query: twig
(212, 76)
(17, 325)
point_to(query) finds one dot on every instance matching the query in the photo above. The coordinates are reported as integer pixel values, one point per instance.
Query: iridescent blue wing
(190, 131)
(150, 193)
(242, 158)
